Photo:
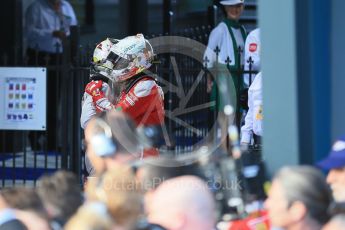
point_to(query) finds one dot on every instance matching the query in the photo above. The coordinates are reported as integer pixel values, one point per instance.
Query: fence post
(212, 12)
(75, 92)
(167, 17)
(250, 61)
(65, 132)
(89, 13)
(75, 37)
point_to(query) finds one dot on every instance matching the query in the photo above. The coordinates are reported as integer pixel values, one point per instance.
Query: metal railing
(25, 155)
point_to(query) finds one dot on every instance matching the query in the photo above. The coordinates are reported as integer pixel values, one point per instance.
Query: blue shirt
(40, 22)
(6, 215)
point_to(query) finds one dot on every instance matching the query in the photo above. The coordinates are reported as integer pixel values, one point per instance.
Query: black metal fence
(25, 155)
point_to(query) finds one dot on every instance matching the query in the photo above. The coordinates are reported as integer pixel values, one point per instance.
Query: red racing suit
(142, 100)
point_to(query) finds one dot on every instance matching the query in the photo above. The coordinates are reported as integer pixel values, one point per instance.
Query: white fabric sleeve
(213, 41)
(255, 55)
(87, 110)
(33, 32)
(70, 13)
(247, 128)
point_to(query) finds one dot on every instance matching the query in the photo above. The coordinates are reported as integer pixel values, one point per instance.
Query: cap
(336, 158)
(231, 2)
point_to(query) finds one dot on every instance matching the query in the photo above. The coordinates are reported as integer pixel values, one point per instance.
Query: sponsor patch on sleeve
(253, 47)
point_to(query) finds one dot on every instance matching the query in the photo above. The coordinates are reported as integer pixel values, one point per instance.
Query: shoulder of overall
(144, 87)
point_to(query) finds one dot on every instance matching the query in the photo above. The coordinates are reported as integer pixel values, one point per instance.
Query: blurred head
(183, 203)
(119, 190)
(233, 8)
(55, 4)
(336, 180)
(91, 216)
(54, 1)
(119, 60)
(335, 163)
(298, 195)
(111, 138)
(154, 171)
(61, 195)
(23, 198)
(29, 207)
(234, 12)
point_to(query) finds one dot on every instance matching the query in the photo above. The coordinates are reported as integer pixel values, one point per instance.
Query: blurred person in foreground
(335, 165)
(61, 196)
(91, 216)
(111, 139)
(152, 172)
(183, 203)
(119, 191)
(298, 199)
(8, 219)
(28, 207)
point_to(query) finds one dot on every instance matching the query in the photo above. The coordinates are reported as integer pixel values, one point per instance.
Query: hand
(94, 89)
(59, 34)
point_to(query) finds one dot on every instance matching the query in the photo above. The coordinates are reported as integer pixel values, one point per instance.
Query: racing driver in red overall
(119, 82)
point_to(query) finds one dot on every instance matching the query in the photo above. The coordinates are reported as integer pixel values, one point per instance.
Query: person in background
(335, 164)
(47, 27)
(47, 24)
(229, 37)
(251, 131)
(298, 199)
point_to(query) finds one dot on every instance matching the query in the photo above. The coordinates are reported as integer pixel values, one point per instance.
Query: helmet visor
(118, 62)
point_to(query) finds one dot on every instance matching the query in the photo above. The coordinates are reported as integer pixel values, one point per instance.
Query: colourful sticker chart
(23, 98)
(20, 95)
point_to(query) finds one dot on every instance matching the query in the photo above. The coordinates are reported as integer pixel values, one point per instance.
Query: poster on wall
(22, 98)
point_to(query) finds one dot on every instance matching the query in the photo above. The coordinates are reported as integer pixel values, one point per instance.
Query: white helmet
(119, 60)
